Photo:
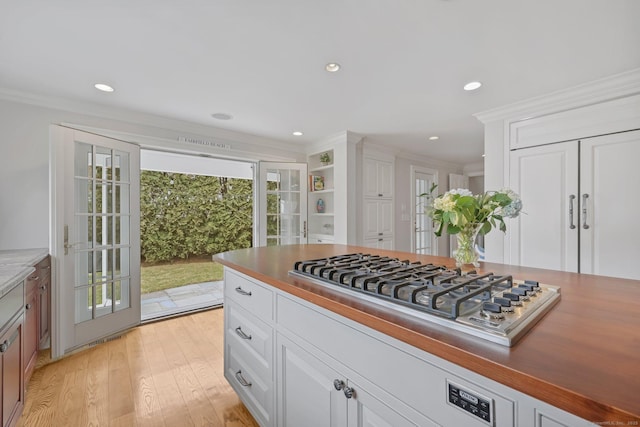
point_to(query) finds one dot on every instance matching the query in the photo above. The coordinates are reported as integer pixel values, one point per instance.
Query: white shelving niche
(321, 228)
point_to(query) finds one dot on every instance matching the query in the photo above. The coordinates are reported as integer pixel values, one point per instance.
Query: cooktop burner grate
(488, 305)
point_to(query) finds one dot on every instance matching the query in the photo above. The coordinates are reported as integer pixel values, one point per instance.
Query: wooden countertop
(583, 356)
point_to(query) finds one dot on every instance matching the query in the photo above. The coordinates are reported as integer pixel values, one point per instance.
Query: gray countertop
(11, 275)
(26, 257)
(17, 265)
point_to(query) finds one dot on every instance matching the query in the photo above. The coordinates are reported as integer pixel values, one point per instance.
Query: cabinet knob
(348, 392)
(338, 384)
(28, 306)
(380, 194)
(43, 288)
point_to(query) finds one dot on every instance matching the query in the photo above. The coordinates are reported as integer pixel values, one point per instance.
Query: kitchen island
(582, 357)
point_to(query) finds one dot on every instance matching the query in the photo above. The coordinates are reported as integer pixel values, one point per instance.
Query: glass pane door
(101, 267)
(423, 238)
(283, 204)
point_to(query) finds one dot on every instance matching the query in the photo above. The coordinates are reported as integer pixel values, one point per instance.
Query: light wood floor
(168, 373)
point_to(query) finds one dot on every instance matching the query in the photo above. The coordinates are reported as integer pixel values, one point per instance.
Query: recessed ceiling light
(434, 138)
(222, 116)
(298, 133)
(332, 67)
(472, 85)
(103, 87)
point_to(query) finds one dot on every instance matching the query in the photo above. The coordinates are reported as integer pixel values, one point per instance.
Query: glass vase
(466, 252)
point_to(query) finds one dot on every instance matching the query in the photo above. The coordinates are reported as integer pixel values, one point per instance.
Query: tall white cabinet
(377, 204)
(580, 205)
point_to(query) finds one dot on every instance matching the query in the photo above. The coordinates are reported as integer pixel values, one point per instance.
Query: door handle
(571, 199)
(585, 196)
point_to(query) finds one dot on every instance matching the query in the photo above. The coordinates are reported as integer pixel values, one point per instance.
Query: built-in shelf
(321, 168)
(328, 190)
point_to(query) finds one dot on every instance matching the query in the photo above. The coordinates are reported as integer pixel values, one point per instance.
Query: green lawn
(159, 277)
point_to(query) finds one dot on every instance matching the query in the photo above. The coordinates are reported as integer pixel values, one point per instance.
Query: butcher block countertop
(583, 356)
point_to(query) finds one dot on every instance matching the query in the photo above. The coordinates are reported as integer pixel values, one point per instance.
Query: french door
(283, 204)
(97, 243)
(423, 240)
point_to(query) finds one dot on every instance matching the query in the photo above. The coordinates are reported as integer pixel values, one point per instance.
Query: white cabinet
(579, 206)
(378, 177)
(377, 202)
(306, 394)
(328, 371)
(314, 393)
(248, 344)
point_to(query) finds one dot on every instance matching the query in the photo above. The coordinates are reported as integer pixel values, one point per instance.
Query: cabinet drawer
(255, 393)
(248, 294)
(11, 303)
(244, 330)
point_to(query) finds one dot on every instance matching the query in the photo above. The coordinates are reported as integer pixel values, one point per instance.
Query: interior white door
(423, 239)
(283, 204)
(609, 206)
(97, 239)
(545, 235)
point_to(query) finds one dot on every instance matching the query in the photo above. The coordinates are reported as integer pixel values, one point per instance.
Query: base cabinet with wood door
(36, 315)
(12, 317)
(579, 204)
(293, 364)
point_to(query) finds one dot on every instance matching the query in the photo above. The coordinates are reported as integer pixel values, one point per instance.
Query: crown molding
(145, 119)
(605, 89)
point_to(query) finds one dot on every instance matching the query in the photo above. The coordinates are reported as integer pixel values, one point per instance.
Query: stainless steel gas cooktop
(496, 308)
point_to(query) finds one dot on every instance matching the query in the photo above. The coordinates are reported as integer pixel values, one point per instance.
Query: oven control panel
(471, 402)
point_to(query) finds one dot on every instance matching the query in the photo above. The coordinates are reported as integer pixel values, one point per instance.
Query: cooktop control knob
(535, 285)
(492, 310)
(505, 303)
(522, 292)
(515, 299)
(531, 290)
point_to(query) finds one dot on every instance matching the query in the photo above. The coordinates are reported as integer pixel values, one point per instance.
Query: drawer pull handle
(28, 306)
(34, 278)
(242, 291)
(7, 343)
(241, 333)
(241, 380)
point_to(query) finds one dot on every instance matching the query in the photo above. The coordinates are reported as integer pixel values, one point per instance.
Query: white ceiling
(404, 62)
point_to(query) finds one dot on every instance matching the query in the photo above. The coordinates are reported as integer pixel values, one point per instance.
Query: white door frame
(413, 170)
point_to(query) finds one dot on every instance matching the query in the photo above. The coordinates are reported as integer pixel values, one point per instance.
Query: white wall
(24, 157)
(402, 196)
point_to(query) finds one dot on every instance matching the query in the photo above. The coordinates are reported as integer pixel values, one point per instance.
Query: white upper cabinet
(545, 235)
(609, 180)
(377, 178)
(579, 206)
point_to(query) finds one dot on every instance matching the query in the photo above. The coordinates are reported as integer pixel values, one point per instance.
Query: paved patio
(183, 298)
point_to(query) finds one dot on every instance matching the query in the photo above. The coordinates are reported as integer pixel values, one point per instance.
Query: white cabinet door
(545, 235)
(385, 178)
(306, 394)
(365, 410)
(378, 178)
(609, 177)
(378, 218)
